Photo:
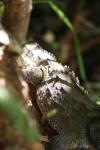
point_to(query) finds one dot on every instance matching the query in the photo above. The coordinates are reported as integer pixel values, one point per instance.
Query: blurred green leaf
(20, 118)
(62, 16)
(1, 9)
(96, 98)
(51, 113)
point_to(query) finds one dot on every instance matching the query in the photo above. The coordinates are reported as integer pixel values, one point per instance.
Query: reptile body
(58, 89)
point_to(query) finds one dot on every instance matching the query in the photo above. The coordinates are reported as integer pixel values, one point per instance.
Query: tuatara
(58, 89)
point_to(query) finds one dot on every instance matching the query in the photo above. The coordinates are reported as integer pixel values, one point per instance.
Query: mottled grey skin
(59, 89)
(34, 55)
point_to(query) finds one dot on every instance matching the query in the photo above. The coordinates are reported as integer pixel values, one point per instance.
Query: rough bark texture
(16, 17)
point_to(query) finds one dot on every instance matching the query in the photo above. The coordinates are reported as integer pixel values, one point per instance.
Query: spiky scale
(34, 55)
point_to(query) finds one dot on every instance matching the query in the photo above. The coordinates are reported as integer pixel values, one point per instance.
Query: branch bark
(16, 17)
(15, 20)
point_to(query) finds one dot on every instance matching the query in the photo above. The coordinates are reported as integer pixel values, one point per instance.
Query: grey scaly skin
(34, 55)
(58, 88)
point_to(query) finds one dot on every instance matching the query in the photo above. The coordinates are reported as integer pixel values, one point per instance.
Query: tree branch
(16, 17)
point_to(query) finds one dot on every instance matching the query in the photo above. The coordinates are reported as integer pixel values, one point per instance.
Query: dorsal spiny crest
(36, 52)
